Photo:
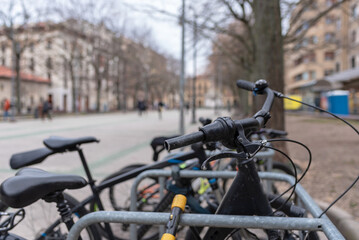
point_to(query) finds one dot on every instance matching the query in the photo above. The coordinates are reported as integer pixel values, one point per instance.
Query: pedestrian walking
(160, 109)
(6, 109)
(46, 109)
(141, 106)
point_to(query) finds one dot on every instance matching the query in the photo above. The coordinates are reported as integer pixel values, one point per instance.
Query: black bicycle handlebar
(246, 85)
(224, 128)
(184, 140)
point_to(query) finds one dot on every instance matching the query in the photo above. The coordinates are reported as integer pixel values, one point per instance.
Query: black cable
(309, 160)
(292, 187)
(338, 198)
(341, 119)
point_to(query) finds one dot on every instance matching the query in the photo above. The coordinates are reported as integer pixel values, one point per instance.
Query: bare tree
(18, 27)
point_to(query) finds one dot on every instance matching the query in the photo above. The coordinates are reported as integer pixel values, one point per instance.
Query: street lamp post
(194, 69)
(14, 50)
(182, 80)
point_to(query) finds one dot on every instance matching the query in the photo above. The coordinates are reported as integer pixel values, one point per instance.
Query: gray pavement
(124, 139)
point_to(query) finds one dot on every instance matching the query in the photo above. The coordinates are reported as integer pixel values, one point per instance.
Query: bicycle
(59, 145)
(245, 195)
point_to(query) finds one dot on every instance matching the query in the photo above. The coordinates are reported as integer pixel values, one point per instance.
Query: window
(329, 37)
(328, 72)
(313, 75)
(353, 37)
(329, 20)
(32, 64)
(339, 23)
(310, 57)
(354, 11)
(305, 76)
(298, 61)
(65, 45)
(3, 61)
(352, 61)
(329, 56)
(298, 77)
(3, 48)
(314, 40)
(305, 26)
(49, 63)
(337, 67)
(305, 42)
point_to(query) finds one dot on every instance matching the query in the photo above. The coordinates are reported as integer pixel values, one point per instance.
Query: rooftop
(6, 72)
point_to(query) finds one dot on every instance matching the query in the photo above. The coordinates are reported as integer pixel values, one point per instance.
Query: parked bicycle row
(242, 147)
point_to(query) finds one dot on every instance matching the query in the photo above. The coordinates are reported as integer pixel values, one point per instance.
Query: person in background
(46, 109)
(160, 109)
(141, 105)
(6, 109)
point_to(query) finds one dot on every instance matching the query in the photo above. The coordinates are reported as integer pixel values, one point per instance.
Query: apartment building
(207, 95)
(314, 56)
(327, 57)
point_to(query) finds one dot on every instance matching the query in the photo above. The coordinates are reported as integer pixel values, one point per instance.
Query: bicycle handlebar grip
(246, 85)
(168, 236)
(179, 201)
(184, 140)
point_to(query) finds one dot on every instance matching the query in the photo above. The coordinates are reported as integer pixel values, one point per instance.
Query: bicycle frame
(244, 197)
(97, 189)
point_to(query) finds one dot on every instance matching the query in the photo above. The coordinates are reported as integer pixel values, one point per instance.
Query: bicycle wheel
(41, 214)
(119, 195)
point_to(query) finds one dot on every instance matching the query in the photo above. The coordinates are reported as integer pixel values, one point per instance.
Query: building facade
(313, 56)
(327, 57)
(89, 67)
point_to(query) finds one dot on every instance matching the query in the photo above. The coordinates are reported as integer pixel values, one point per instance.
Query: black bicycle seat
(61, 144)
(273, 133)
(31, 184)
(157, 145)
(28, 158)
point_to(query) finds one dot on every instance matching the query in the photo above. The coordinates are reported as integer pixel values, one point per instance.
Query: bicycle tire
(32, 226)
(115, 202)
(117, 191)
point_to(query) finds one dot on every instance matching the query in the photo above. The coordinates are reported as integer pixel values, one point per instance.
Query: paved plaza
(124, 139)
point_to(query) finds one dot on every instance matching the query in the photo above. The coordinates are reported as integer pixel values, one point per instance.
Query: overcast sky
(166, 30)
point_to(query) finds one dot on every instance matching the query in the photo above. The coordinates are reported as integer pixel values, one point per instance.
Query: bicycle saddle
(61, 144)
(28, 158)
(157, 145)
(31, 184)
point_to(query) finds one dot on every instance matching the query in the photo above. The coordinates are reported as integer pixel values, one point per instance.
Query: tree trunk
(98, 92)
(269, 52)
(269, 58)
(118, 92)
(124, 85)
(73, 86)
(18, 83)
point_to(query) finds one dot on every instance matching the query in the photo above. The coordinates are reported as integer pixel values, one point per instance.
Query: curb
(345, 222)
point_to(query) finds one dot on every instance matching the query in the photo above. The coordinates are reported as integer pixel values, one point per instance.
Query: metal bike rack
(226, 221)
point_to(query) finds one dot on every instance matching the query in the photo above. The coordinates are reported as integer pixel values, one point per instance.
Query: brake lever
(243, 144)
